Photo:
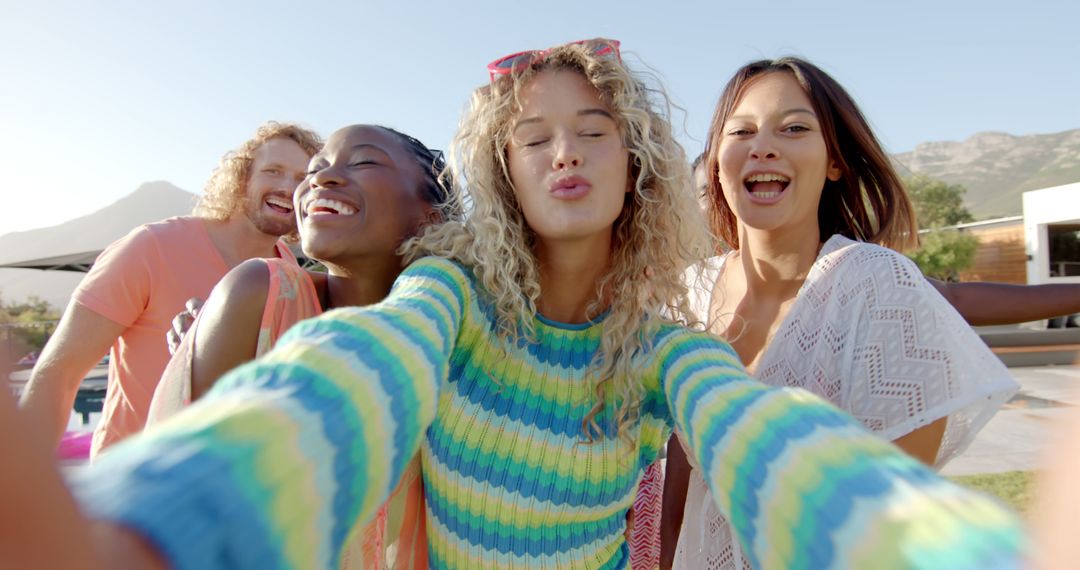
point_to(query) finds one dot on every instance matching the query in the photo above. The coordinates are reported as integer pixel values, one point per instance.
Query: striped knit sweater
(281, 461)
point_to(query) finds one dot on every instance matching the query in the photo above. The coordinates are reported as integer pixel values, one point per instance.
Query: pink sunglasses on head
(508, 64)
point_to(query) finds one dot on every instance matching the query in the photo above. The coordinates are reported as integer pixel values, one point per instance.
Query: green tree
(937, 204)
(943, 253)
(28, 324)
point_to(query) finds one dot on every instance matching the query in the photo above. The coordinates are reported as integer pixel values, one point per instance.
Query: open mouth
(279, 204)
(327, 207)
(766, 187)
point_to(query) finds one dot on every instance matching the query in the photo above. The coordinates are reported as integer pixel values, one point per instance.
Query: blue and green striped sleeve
(805, 486)
(286, 455)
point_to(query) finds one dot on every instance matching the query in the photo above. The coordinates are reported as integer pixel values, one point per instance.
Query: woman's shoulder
(435, 264)
(249, 277)
(841, 253)
(674, 339)
(438, 271)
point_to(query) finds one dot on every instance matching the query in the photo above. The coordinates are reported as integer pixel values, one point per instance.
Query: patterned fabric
(645, 517)
(290, 298)
(395, 538)
(295, 449)
(869, 334)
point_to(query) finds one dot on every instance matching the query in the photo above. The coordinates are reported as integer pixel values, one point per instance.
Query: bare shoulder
(318, 279)
(228, 326)
(242, 291)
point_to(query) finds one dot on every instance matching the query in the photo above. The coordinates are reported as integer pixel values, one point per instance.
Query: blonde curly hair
(658, 234)
(225, 191)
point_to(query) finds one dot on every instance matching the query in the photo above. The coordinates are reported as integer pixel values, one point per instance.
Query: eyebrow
(369, 145)
(581, 113)
(355, 147)
(595, 111)
(785, 113)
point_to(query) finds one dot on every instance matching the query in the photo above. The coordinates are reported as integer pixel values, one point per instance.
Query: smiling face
(772, 158)
(567, 160)
(276, 168)
(361, 197)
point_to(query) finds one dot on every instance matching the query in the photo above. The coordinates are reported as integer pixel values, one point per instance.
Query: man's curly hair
(225, 191)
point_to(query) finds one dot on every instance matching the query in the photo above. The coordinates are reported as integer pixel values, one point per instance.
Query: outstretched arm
(277, 464)
(39, 512)
(81, 339)
(804, 485)
(983, 304)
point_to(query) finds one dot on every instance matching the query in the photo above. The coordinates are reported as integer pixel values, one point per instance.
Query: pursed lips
(570, 187)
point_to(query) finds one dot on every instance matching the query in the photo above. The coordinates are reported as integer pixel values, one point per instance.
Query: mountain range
(150, 202)
(997, 168)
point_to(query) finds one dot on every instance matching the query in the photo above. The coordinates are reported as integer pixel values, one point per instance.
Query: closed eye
(739, 132)
(536, 143)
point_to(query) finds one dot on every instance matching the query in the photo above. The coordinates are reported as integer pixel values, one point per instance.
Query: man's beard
(275, 225)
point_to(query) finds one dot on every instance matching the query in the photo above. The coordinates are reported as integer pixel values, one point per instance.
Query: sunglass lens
(513, 61)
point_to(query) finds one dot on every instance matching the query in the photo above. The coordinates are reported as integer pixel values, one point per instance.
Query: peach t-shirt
(141, 281)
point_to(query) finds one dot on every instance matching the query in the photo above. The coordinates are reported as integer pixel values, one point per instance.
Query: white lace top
(870, 334)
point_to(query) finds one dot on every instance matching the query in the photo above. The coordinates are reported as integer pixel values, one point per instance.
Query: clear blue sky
(98, 97)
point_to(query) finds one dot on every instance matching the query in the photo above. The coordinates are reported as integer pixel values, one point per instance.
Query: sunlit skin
(569, 169)
(359, 201)
(277, 167)
(360, 196)
(773, 130)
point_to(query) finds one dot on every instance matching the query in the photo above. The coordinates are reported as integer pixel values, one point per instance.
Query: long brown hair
(868, 202)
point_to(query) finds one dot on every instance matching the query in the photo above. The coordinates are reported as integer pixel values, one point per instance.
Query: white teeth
(338, 207)
(768, 178)
(279, 202)
(766, 195)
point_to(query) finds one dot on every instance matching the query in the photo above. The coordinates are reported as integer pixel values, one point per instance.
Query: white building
(1052, 234)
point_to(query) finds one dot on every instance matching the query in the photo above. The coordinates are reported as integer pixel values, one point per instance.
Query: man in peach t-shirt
(141, 281)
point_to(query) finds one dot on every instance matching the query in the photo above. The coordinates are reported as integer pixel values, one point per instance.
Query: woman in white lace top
(801, 191)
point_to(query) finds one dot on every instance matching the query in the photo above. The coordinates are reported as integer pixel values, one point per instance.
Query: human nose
(327, 177)
(763, 147)
(567, 154)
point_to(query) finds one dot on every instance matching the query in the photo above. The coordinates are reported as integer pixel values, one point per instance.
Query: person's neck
(361, 281)
(569, 273)
(238, 240)
(776, 263)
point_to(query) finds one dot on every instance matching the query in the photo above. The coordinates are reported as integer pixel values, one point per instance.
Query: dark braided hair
(437, 183)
